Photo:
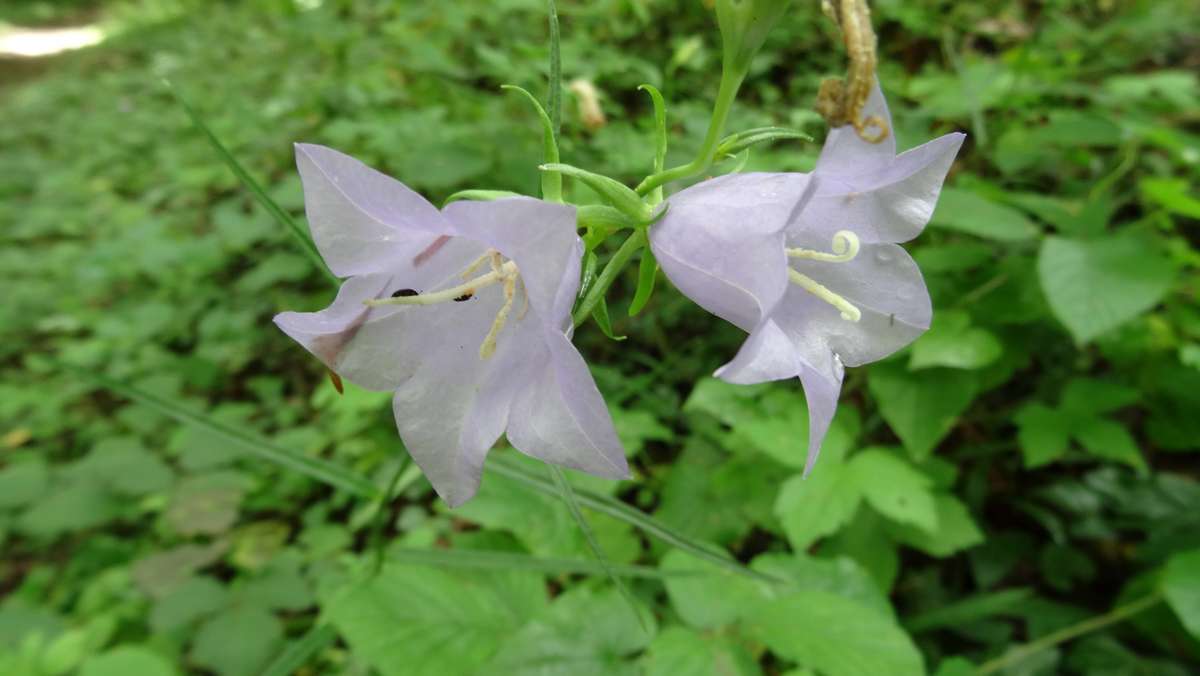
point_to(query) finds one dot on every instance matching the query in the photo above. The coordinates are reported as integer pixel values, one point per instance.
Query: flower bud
(744, 27)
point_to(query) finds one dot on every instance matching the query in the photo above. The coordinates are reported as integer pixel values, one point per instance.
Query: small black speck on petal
(405, 293)
(465, 296)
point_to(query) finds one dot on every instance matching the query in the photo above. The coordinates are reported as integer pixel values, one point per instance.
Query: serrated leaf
(1094, 286)
(1043, 434)
(835, 636)
(419, 621)
(1108, 439)
(955, 531)
(1181, 586)
(680, 652)
(894, 488)
(952, 342)
(813, 507)
(921, 407)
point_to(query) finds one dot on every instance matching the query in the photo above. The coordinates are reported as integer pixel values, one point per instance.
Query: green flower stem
(1114, 616)
(731, 81)
(618, 262)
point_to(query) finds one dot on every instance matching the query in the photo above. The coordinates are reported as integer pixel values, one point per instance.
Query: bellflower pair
(463, 313)
(808, 264)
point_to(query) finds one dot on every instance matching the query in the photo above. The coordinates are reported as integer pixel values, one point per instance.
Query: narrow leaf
(480, 195)
(617, 194)
(555, 70)
(600, 314)
(600, 287)
(321, 470)
(660, 136)
(743, 140)
(264, 200)
(298, 653)
(551, 181)
(499, 560)
(568, 497)
(624, 513)
(647, 274)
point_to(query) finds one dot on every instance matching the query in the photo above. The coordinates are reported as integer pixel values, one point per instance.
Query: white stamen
(481, 282)
(849, 312)
(845, 247)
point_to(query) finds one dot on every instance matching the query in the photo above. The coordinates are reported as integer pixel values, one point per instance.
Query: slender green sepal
(568, 497)
(321, 470)
(281, 217)
(629, 515)
(551, 182)
(618, 195)
(600, 314)
(555, 97)
(617, 263)
(647, 274)
(660, 136)
(739, 161)
(736, 143)
(474, 559)
(588, 274)
(481, 196)
(298, 653)
(602, 220)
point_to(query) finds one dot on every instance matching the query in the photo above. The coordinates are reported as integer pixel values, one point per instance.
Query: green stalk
(600, 287)
(730, 83)
(1114, 616)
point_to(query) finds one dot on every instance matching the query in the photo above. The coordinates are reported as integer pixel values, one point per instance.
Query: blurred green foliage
(1028, 464)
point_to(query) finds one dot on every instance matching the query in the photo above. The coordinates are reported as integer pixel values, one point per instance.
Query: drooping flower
(464, 313)
(808, 264)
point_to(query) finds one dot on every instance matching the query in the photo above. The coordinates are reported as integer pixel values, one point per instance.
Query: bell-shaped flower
(463, 313)
(807, 264)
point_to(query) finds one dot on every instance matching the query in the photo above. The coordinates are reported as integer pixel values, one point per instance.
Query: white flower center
(502, 272)
(845, 248)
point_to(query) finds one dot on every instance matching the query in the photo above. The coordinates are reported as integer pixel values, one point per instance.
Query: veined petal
(845, 153)
(768, 354)
(454, 406)
(540, 237)
(378, 348)
(883, 282)
(561, 418)
(885, 201)
(821, 390)
(362, 220)
(721, 242)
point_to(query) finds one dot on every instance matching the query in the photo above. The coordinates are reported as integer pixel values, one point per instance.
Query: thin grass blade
(321, 470)
(297, 654)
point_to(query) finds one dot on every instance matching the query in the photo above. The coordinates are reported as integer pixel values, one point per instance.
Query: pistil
(845, 248)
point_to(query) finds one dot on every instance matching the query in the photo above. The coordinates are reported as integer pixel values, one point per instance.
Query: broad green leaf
(952, 342)
(418, 621)
(813, 507)
(894, 488)
(238, 642)
(921, 407)
(192, 600)
(69, 507)
(1043, 434)
(583, 632)
(1094, 286)
(498, 560)
(681, 652)
(1093, 397)
(955, 531)
(835, 636)
(127, 660)
(160, 573)
(1174, 194)
(1108, 439)
(23, 482)
(1181, 585)
(966, 211)
(866, 540)
(124, 465)
(206, 503)
(841, 576)
(709, 600)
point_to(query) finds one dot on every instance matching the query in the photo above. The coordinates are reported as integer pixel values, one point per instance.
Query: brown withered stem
(841, 101)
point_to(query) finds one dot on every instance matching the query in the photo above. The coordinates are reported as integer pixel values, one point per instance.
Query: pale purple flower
(477, 343)
(807, 264)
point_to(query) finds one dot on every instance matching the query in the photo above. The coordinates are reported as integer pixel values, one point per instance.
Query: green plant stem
(384, 501)
(731, 81)
(1114, 616)
(600, 287)
(555, 102)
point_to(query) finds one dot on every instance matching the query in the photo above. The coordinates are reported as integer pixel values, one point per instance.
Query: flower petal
(845, 153)
(768, 354)
(362, 220)
(883, 282)
(821, 390)
(540, 237)
(721, 242)
(885, 201)
(455, 406)
(561, 417)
